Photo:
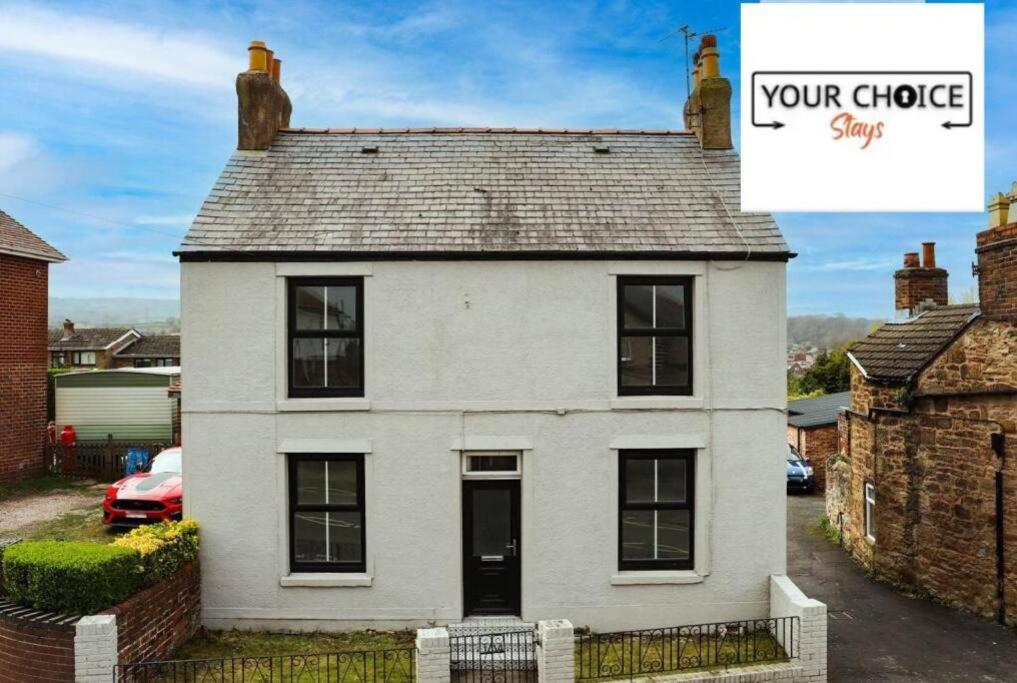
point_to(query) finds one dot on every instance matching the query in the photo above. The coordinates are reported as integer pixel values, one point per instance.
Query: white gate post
(433, 656)
(95, 648)
(556, 659)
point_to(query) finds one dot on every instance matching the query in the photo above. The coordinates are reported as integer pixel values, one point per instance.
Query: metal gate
(499, 657)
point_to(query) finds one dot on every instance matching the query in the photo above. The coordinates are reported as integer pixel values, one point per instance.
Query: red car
(153, 496)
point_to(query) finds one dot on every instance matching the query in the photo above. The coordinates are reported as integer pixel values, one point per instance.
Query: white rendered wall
(516, 354)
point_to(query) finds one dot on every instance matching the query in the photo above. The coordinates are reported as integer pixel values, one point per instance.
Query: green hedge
(85, 578)
(70, 577)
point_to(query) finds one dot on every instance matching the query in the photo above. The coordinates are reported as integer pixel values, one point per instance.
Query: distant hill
(827, 331)
(148, 315)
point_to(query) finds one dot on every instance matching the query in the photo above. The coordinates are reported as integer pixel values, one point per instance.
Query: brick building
(812, 429)
(24, 303)
(926, 493)
(103, 348)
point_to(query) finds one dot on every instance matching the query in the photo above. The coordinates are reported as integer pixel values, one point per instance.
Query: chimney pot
(928, 254)
(999, 210)
(257, 56)
(911, 259)
(710, 57)
(276, 70)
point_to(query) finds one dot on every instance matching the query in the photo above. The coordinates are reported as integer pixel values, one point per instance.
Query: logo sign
(862, 107)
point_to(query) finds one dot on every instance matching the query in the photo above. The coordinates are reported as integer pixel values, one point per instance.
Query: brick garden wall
(24, 293)
(158, 620)
(35, 645)
(818, 444)
(934, 472)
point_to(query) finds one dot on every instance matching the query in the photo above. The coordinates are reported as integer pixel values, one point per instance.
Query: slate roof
(87, 339)
(899, 351)
(818, 411)
(18, 240)
(482, 191)
(154, 346)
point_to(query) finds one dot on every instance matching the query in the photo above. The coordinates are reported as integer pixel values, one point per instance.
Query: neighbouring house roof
(482, 191)
(898, 351)
(17, 240)
(154, 346)
(88, 339)
(818, 411)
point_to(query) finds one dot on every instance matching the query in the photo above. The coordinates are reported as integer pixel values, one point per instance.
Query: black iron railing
(631, 654)
(501, 657)
(371, 666)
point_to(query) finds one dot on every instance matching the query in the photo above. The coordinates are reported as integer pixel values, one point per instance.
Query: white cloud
(177, 56)
(174, 220)
(27, 168)
(861, 265)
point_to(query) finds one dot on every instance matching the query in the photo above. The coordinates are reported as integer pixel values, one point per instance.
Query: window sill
(634, 578)
(656, 402)
(323, 405)
(326, 580)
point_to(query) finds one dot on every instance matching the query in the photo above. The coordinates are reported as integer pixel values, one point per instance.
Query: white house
(441, 373)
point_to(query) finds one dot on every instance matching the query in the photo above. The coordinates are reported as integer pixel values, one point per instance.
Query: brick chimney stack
(920, 285)
(68, 329)
(708, 110)
(997, 259)
(263, 106)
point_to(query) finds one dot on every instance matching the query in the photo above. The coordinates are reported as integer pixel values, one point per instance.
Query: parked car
(156, 495)
(800, 476)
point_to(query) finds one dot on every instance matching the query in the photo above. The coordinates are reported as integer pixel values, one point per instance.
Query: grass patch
(216, 644)
(82, 524)
(626, 657)
(296, 660)
(45, 483)
(830, 530)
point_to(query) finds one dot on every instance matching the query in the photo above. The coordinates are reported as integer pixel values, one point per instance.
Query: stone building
(925, 492)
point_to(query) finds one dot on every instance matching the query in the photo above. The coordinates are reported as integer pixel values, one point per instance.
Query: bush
(164, 548)
(70, 577)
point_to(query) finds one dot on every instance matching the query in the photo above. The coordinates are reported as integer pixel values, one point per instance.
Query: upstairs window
(326, 337)
(654, 335)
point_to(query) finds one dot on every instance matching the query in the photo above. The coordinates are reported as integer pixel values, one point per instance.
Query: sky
(116, 117)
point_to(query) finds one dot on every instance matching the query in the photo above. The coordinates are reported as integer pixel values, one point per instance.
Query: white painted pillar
(95, 648)
(809, 634)
(433, 656)
(556, 659)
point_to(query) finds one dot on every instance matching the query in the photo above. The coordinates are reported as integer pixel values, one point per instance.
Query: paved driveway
(877, 634)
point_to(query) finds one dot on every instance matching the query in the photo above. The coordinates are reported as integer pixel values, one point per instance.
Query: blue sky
(116, 117)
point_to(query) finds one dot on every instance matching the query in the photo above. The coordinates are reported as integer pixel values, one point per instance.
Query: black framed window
(656, 509)
(327, 529)
(326, 337)
(654, 335)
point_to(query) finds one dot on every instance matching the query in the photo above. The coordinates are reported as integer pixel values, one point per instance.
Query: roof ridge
(517, 131)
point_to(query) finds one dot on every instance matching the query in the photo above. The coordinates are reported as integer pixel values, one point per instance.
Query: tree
(829, 374)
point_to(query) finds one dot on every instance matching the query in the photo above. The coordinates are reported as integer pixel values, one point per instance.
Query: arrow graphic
(949, 124)
(775, 125)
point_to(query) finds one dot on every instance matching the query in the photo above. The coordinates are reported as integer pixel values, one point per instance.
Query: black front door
(491, 547)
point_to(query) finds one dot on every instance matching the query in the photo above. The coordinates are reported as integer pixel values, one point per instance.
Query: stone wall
(934, 469)
(23, 360)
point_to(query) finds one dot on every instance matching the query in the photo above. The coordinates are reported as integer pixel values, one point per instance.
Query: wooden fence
(103, 460)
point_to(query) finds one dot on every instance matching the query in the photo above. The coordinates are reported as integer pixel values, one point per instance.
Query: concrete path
(877, 634)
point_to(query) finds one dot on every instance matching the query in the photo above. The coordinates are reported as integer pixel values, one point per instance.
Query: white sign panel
(862, 107)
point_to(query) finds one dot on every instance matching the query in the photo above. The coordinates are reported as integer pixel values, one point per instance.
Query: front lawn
(222, 644)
